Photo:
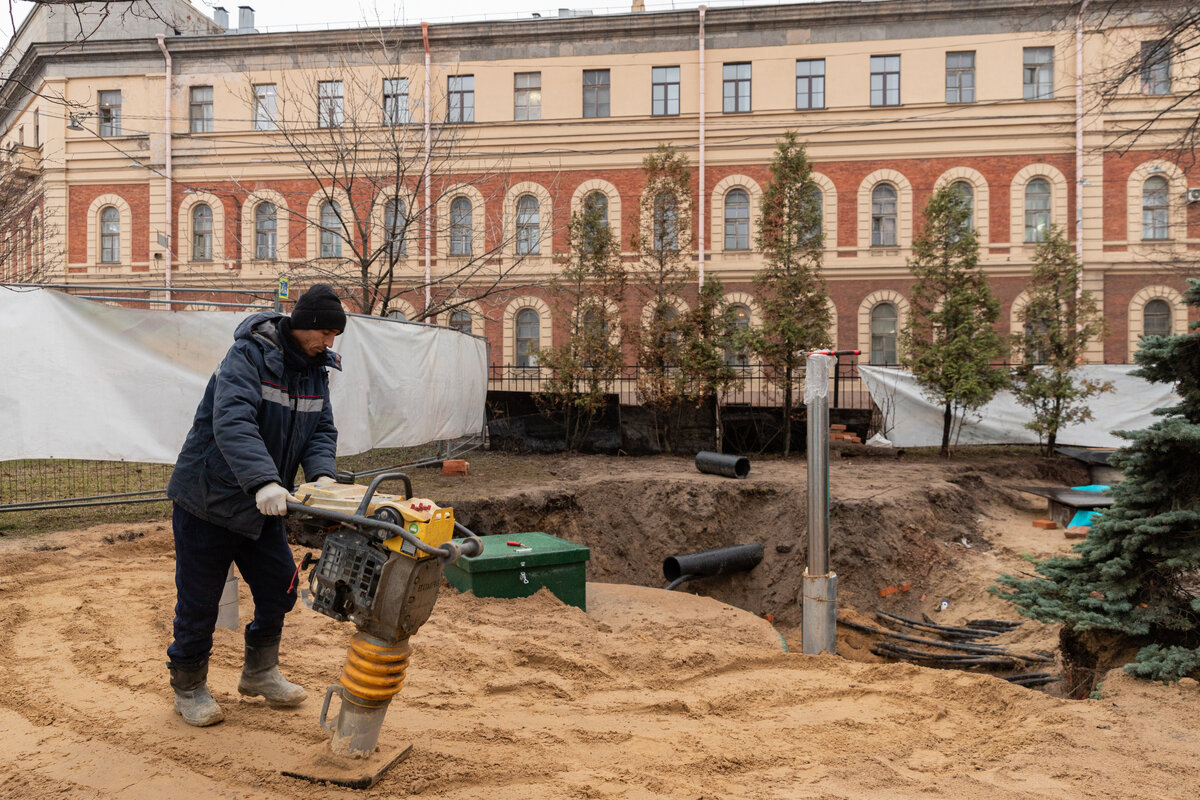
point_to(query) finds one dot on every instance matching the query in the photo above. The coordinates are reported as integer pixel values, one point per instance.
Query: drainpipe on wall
(703, 9)
(167, 170)
(428, 170)
(1079, 138)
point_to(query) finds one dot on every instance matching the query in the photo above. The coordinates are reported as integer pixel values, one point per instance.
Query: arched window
(737, 220)
(331, 230)
(35, 247)
(883, 334)
(265, 228)
(1156, 318)
(461, 321)
(394, 225)
(666, 222)
(597, 203)
(397, 313)
(110, 235)
(529, 337)
(1155, 198)
(202, 231)
(883, 216)
(966, 194)
(460, 227)
(528, 225)
(1037, 210)
(738, 356)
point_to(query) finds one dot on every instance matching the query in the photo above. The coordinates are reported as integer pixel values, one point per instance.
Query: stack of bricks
(839, 433)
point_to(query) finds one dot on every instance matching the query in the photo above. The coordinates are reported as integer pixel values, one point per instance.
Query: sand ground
(648, 695)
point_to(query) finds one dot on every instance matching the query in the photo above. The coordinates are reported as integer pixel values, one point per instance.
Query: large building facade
(179, 152)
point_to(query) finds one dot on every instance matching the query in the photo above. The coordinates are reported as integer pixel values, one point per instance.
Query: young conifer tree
(1137, 574)
(1059, 321)
(791, 293)
(664, 268)
(950, 340)
(587, 294)
(707, 332)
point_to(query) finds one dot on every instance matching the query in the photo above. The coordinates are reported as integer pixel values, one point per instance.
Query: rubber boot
(192, 698)
(261, 678)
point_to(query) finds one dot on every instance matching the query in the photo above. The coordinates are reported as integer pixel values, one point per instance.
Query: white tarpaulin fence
(910, 420)
(80, 379)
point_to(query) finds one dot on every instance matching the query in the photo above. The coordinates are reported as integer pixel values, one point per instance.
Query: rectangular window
(264, 107)
(1156, 67)
(395, 101)
(1039, 73)
(461, 98)
(527, 96)
(810, 83)
(329, 104)
(960, 77)
(110, 113)
(885, 80)
(200, 110)
(664, 91)
(596, 88)
(735, 89)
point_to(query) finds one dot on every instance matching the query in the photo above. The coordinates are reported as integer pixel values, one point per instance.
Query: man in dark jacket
(265, 412)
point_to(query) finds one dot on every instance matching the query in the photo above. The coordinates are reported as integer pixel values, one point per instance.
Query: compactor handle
(448, 553)
(370, 493)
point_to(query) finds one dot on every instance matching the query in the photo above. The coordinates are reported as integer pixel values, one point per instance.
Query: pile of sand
(648, 695)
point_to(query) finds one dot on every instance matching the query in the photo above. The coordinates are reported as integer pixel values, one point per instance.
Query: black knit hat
(319, 309)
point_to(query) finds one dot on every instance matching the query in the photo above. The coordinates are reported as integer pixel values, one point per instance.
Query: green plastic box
(507, 570)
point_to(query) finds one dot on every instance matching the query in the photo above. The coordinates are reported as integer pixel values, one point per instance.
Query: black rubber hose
(721, 464)
(679, 580)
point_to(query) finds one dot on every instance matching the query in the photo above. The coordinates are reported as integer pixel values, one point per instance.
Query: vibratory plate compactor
(380, 568)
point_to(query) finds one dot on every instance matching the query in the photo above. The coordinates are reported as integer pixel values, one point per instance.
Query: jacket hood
(263, 328)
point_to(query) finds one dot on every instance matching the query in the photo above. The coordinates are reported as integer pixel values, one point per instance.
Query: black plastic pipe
(721, 464)
(721, 561)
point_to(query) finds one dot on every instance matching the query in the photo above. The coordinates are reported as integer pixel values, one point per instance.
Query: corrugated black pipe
(721, 561)
(721, 464)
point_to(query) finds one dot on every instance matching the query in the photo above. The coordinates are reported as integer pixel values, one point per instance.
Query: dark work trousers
(203, 552)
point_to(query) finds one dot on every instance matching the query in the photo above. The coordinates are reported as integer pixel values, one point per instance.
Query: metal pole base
(818, 605)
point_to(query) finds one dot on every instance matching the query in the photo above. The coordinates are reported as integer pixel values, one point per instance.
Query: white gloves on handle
(272, 500)
(325, 480)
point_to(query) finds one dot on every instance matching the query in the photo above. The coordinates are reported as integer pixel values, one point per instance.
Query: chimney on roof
(245, 19)
(221, 17)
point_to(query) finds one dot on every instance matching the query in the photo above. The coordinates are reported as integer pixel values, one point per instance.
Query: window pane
(736, 86)
(883, 334)
(1156, 67)
(110, 235)
(395, 101)
(527, 96)
(461, 321)
(664, 91)
(1156, 318)
(528, 222)
(885, 80)
(461, 98)
(960, 77)
(883, 216)
(394, 225)
(1155, 200)
(1037, 210)
(264, 107)
(265, 226)
(737, 220)
(110, 113)
(460, 227)
(528, 337)
(200, 110)
(595, 93)
(1039, 73)
(810, 84)
(329, 104)
(331, 231)
(966, 193)
(666, 222)
(201, 233)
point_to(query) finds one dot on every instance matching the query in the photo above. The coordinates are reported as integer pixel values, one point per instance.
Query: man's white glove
(272, 500)
(325, 480)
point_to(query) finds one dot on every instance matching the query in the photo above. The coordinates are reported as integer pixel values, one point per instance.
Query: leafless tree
(23, 256)
(373, 184)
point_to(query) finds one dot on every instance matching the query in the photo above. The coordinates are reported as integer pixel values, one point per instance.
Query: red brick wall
(79, 200)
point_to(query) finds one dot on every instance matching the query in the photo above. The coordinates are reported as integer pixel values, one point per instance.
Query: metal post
(818, 632)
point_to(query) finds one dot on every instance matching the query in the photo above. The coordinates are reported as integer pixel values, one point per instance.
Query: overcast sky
(307, 14)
